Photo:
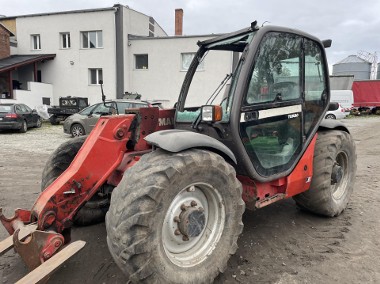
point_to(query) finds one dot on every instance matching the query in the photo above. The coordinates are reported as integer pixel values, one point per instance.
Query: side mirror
(211, 113)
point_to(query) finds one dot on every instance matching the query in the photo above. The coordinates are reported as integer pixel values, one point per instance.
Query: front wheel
(175, 217)
(95, 209)
(334, 170)
(77, 130)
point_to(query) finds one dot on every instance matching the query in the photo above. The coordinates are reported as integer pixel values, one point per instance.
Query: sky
(352, 25)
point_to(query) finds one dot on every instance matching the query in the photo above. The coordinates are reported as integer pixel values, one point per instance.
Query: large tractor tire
(95, 209)
(334, 171)
(175, 217)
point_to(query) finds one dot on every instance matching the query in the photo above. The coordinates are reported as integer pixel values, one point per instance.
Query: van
(344, 97)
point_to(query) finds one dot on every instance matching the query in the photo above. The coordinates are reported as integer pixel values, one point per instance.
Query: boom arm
(114, 145)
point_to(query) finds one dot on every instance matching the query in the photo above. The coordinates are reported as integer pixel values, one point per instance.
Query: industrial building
(67, 53)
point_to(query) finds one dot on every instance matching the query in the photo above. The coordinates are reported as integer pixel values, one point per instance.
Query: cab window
(271, 122)
(277, 72)
(315, 85)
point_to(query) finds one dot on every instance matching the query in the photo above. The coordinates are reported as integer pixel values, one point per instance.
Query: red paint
(366, 93)
(257, 194)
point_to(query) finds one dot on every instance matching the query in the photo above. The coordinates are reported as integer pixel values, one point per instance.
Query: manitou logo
(294, 115)
(165, 121)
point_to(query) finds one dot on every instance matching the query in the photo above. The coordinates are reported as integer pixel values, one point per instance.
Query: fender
(332, 124)
(175, 140)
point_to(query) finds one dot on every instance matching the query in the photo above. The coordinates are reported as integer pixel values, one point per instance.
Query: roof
(352, 59)
(5, 28)
(15, 61)
(136, 37)
(61, 12)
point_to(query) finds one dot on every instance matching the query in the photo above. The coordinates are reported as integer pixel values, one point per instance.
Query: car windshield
(213, 81)
(88, 110)
(5, 108)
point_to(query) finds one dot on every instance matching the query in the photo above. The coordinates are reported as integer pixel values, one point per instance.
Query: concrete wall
(33, 96)
(163, 79)
(68, 72)
(138, 24)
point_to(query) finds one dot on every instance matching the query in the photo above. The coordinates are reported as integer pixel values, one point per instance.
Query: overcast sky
(352, 25)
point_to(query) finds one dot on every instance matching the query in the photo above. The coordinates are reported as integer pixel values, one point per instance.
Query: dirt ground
(279, 244)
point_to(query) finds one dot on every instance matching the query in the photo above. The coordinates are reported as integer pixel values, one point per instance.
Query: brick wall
(5, 50)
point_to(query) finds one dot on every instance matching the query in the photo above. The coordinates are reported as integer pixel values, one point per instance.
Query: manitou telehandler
(173, 184)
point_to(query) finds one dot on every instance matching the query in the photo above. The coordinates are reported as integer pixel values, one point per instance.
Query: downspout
(119, 35)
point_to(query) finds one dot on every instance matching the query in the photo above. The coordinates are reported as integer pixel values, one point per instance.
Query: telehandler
(173, 184)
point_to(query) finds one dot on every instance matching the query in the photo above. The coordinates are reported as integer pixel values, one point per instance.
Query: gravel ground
(42, 140)
(279, 244)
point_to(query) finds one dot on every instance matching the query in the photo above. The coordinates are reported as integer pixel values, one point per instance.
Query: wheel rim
(77, 130)
(39, 122)
(339, 178)
(24, 126)
(193, 224)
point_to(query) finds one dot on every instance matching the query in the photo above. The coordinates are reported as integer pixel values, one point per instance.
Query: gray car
(84, 121)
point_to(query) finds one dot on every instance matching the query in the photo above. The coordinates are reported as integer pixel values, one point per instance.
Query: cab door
(276, 120)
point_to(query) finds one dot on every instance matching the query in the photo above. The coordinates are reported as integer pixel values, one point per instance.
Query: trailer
(366, 94)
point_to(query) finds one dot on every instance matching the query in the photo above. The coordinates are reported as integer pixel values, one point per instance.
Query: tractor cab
(267, 108)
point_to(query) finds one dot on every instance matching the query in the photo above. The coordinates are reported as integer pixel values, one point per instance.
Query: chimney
(178, 21)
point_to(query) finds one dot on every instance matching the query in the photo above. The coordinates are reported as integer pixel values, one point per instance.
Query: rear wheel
(77, 130)
(54, 120)
(24, 127)
(334, 170)
(39, 122)
(95, 209)
(330, 116)
(175, 218)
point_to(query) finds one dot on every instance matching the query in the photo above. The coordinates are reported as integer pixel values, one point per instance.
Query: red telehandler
(173, 184)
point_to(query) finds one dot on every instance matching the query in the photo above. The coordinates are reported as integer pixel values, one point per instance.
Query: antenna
(371, 58)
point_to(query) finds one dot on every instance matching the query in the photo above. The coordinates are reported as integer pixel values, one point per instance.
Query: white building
(126, 49)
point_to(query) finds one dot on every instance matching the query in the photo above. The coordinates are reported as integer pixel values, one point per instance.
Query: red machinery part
(258, 195)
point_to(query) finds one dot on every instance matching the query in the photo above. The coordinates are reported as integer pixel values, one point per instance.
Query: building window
(186, 59)
(65, 40)
(36, 42)
(141, 61)
(95, 75)
(92, 39)
(151, 27)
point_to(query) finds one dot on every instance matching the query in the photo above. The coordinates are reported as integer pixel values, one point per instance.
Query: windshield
(5, 108)
(215, 67)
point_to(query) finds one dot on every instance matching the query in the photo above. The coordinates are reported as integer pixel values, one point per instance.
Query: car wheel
(54, 120)
(39, 122)
(330, 116)
(24, 127)
(77, 130)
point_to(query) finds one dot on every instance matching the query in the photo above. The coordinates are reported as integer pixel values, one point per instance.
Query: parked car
(83, 122)
(335, 111)
(18, 117)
